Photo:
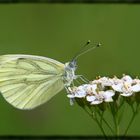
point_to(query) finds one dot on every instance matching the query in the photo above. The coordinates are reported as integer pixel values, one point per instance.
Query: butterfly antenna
(84, 50)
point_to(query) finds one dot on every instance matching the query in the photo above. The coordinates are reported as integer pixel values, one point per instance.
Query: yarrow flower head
(104, 88)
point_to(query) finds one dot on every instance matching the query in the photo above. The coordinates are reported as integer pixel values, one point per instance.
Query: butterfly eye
(73, 64)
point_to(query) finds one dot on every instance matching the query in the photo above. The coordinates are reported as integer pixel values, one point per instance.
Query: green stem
(121, 104)
(130, 123)
(100, 126)
(90, 114)
(120, 117)
(132, 119)
(114, 112)
(108, 126)
(116, 123)
(102, 119)
(94, 117)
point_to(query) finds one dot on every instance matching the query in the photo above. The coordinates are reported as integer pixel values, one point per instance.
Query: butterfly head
(72, 65)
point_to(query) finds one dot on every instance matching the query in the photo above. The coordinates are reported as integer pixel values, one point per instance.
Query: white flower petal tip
(96, 102)
(109, 100)
(126, 94)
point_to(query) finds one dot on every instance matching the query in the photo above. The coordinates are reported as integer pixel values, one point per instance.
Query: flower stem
(115, 118)
(130, 123)
(132, 119)
(114, 112)
(94, 117)
(100, 126)
(107, 124)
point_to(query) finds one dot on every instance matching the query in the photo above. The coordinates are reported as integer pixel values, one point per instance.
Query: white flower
(104, 81)
(96, 93)
(127, 78)
(98, 98)
(91, 88)
(108, 95)
(136, 81)
(127, 86)
(78, 92)
(118, 87)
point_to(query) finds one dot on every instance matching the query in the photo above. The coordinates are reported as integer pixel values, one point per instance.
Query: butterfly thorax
(69, 75)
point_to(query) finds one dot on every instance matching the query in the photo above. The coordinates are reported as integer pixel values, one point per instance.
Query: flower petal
(127, 79)
(92, 87)
(108, 94)
(105, 81)
(136, 88)
(117, 87)
(80, 88)
(116, 81)
(80, 94)
(90, 98)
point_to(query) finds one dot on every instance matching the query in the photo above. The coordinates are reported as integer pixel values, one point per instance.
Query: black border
(70, 1)
(23, 137)
(36, 137)
(68, 138)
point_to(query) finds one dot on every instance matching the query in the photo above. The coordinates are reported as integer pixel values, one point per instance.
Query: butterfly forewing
(27, 81)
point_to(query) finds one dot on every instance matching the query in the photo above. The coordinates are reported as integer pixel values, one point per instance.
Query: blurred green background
(58, 31)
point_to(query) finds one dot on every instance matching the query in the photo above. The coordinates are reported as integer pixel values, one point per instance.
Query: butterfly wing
(27, 81)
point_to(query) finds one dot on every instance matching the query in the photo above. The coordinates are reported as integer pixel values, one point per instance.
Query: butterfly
(27, 81)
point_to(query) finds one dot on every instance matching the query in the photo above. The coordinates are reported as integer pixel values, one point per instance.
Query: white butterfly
(27, 81)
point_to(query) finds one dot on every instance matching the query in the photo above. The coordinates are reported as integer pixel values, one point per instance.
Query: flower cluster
(104, 88)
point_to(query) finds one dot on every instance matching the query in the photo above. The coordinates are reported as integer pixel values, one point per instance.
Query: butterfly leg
(78, 81)
(83, 78)
(71, 101)
(68, 91)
